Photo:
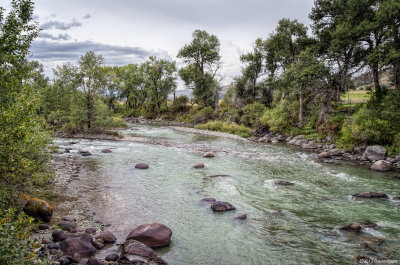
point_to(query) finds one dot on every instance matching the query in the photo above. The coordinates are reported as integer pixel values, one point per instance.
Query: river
(305, 232)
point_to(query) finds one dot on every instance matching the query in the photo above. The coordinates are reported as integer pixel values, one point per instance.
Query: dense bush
(251, 114)
(282, 118)
(226, 127)
(180, 104)
(15, 245)
(203, 115)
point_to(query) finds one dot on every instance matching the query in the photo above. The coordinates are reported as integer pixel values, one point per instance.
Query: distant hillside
(366, 79)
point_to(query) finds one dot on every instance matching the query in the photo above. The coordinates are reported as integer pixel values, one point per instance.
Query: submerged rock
(84, 153)
(216, 176)
(94, 261)
(152, 235)
(199, 165)
(208, 155)
(310, 145)
(38, 209)
(142, 166)
(351, 227)
(106, 150)
(370, 195)
(78, 246)
(112, 257)
(241, 217)
(208, 200)
(375, 152)
(67, 226)
(382, 166)
(220, 206)
(283, 183)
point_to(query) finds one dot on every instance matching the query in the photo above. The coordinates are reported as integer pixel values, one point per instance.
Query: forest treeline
(291, 82)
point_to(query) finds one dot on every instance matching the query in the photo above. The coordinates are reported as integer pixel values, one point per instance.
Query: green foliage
(202, 61)
(281, 118)
(180, 104)
(376, 123)
(22, 138)
(226, 127)
(251, 114)
(15, 245)
(203, 115)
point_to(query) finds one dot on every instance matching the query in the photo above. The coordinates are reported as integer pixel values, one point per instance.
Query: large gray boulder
(375, 152)
(78, 246)
(133, 252)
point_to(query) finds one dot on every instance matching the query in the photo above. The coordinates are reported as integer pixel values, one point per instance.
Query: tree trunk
(301, 108)
(375, 74)
(216, 97)
(396, 76)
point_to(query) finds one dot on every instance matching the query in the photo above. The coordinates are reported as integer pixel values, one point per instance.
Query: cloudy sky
(129, 31)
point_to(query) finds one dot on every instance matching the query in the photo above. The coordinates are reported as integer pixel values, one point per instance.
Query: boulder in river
(84, 152)
(112, 257)
(106, 150)
(133, 251)
(351, 227)
(382, 166)
(283, 183)
(208, 155)
(78, 246)
(199, 165)
(375, 152)
(142, 166)
(106, 236)
(153, 235)
(94, 261)
(325, 155)
(370, 195)
(38, 209)
(241, 217)
(220, 206)
(396, 198)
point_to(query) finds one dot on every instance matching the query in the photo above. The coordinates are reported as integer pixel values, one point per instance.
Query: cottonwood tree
(202, 61)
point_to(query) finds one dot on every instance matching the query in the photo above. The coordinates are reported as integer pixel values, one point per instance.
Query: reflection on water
(285, 225)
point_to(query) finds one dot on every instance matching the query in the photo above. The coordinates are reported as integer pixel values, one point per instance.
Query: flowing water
(169, 192)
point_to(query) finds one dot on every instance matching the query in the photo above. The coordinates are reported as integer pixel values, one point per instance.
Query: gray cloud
(61, 25)
(87, 16)
(44, 50)
(44, 35)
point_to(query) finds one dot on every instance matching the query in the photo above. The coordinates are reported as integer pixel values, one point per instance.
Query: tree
(160, 80)
(133, 85)
(22, 137)
(88, 77)
(111, 84)
(202, 61)
(306, 77)
(253, 68)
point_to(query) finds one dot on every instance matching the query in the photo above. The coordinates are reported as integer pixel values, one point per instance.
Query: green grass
(226, 127)
(356, 96)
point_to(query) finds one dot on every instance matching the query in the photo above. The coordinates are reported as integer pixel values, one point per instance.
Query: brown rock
(58, 235)
(325, 155)
(220, 206)
(112, 257)
(199, 165)
(39, 209)
(208, 200)
(90, 230)
(241, 217)
(396, 198)
(141, 166)
(351, 227)
(94, 261)
(67, 226)
(107, 237)
(216, 176)
(382, 166)
(208, 155)
(152, 235)
(106, 150)
(97, 244)
(370, 195)
(78, 246)
(283, 183)
(133, 248)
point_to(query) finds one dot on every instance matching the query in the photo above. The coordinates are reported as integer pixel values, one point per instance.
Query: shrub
(15, 245)
(180, 104)
(251, 114)
(281, 118)
(226, 127)
(203, 115)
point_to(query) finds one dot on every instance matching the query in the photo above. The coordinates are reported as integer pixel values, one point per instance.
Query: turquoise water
(169, 192)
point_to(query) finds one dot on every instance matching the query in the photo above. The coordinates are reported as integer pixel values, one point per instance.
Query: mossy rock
(38, 209)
